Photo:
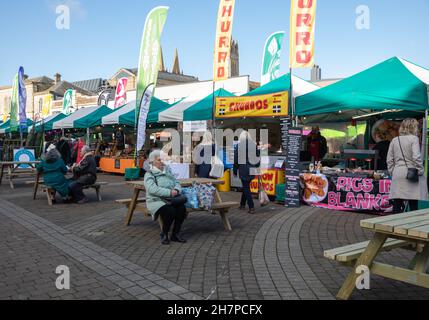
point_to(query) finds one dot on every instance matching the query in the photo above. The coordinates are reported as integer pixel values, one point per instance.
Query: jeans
(399, 205)
(246, 196)
(170, 215)
(76, 189)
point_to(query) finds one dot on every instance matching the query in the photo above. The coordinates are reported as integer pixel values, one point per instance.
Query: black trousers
(76, 189)
(170, 215)
(246, 196)
(399, 205)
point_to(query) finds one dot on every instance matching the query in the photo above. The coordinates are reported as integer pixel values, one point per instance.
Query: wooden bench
(349, 254)
(221, 208)
(50, 193)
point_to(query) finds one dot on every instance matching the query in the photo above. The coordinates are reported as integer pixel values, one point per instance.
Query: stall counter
(117, 165)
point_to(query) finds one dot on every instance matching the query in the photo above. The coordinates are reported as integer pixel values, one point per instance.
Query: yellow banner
(269, 105)
(302, 25)
(223, 40)
(47, 105)
(269, 180)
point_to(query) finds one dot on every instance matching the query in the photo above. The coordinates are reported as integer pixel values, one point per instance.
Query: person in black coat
(64, 148)
(85, 174)
(246, 162)
(204, 166)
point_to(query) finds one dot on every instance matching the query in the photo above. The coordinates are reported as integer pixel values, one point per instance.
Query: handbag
(412, 173)
(264, 200)
(176, 201)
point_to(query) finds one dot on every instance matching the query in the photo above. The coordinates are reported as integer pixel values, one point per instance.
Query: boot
(164, 239)
(252, 210)
(175, 237)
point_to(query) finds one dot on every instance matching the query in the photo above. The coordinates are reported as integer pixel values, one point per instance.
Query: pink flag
(121, 94)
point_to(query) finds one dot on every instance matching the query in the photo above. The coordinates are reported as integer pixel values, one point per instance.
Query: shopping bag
(264, 200)
(192, 194)
(206, 195)
(218, 169)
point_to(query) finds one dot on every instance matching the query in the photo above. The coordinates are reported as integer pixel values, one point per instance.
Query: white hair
(86, 149)
(154, 155)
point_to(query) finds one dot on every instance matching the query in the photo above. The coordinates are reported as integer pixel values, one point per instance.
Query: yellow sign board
(269, 180)
(269, 105)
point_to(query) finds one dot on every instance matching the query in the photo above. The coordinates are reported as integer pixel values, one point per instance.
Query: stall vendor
(382, 146)
(317, 145)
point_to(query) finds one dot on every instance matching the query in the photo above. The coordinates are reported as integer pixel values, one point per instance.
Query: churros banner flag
(302, 26)
(269, 105)
(47, 105)
(121, 93)
(223, 40)
(150, 58)
(271, 58)
(14, 105)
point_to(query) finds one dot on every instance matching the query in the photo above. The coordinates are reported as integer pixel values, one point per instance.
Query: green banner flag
(14, 126)
(271, 58)
(150, 54)
(68, 101)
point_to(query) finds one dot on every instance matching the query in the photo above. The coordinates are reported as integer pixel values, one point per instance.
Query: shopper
(85, 174)
(246, 164)
(64, 149)
(404, 154)
(161, 185)
(204, 154)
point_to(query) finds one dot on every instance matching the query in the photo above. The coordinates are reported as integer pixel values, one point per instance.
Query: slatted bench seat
(50, 193)
(349, 254)
(221, 208)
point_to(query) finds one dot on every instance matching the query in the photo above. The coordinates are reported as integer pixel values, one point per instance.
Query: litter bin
(226, 186)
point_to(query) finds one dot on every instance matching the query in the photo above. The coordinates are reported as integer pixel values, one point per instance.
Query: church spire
(176, 66)
(161, 64)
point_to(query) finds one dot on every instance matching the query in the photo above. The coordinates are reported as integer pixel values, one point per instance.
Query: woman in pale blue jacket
(160, 183)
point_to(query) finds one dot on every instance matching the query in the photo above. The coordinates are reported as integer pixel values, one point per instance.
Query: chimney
(316, 73)
(57, 78)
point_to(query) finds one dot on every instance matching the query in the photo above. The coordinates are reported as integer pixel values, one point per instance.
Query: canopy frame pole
(292, 101)
(425, 142)
(87, 136)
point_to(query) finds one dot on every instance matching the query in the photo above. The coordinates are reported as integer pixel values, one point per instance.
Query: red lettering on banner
(303, 38)
(225, 26)
(374, 202)
(223, 42)
(303, 56)
(222, 56)
(384, 186)
(303, 19)
(305, 4)
(265, 104)
(259, 105)
(227, 10)
(368, 185)
(221, 72)
(362, 202)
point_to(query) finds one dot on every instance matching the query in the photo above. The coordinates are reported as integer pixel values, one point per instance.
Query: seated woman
(54, 171)
(85, 174)
(160, 183)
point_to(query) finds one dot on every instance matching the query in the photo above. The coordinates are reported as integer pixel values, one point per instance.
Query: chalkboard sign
(292, 140)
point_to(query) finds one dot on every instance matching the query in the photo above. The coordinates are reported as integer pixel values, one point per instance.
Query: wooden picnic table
(14, 170)
(221, 207)
(411, 229)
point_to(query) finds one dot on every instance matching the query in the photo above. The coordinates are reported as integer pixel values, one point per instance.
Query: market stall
(371, 103)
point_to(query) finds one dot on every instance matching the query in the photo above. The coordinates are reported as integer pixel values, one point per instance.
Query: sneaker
(177, 238)
(252, 211)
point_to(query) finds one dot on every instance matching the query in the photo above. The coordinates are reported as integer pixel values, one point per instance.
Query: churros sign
(223, 39)
(270, 105)
(302, 23)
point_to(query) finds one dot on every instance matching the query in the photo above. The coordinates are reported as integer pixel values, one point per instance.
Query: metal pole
(87, 137)
(292, 100)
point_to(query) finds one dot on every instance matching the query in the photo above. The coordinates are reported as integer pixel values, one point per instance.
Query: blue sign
(24, 155)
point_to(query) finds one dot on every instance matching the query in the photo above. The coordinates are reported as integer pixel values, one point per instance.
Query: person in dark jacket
(204, 153)
(317, 145)
(246, 164)
(85, 174)
(54, 171)
(382, 147)
(64, 148)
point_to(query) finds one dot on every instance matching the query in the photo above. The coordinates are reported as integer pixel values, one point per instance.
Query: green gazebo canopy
(203, 110)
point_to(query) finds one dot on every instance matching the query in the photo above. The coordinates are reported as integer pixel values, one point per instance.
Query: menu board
(292, 141)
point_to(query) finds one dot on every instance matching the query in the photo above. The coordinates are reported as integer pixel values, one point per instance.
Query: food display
(315, 187)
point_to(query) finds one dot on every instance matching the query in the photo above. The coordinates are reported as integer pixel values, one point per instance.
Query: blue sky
(105, 35)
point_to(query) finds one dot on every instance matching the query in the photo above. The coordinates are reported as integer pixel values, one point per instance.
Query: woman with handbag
(405, 164)
(164, 198)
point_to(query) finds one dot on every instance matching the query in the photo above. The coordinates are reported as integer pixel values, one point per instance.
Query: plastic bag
(206, 194)
(192, 194)
(218, 169)
(264, 200)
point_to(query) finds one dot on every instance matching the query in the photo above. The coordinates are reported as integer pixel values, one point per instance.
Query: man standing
(317, 145)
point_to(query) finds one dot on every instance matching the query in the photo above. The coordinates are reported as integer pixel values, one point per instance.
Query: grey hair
(86, 149)
(153, 155)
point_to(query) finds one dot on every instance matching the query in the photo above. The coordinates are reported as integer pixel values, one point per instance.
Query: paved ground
(274, 254)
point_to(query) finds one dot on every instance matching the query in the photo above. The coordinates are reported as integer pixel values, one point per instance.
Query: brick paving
(275, 254)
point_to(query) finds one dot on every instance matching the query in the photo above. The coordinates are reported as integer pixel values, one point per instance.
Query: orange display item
(117, 165)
